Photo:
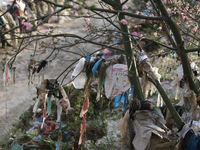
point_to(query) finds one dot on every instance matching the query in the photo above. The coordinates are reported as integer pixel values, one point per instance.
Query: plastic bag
(79, 76)
(116, 81)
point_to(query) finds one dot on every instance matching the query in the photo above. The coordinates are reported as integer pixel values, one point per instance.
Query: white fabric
(116, 81)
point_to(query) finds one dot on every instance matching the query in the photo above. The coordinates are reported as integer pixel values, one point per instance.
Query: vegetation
(159, 28)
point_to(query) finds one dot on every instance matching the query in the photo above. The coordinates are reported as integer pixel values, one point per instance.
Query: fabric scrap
(44, 110)
(83, 124)
(65, 100)
(85, 105)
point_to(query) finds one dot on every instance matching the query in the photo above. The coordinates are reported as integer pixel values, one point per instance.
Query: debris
(145, 125)
(116, 81)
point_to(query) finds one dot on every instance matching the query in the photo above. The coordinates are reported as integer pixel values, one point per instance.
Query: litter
(78, 76)
(116, 81)
(145, 125)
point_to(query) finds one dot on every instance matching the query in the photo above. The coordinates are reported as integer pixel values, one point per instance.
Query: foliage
(150, 26)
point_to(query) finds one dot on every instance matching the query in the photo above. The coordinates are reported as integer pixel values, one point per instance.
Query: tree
(158, 20)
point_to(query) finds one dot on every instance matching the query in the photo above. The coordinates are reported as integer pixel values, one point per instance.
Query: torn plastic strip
(121, 98)
(102, 83)
(49, 105)
(44, 110)
(96, 65)
(88, 57)
(58, 144)
(131, 92)
(60, 119)
(83, 124)
(67, 138)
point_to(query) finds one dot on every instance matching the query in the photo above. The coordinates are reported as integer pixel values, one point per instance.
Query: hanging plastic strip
(96, 65)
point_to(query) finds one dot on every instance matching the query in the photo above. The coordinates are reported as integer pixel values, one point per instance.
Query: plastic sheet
(146, 123)
(123, 125)
(116, 81)
(121, 98)
(79, 76)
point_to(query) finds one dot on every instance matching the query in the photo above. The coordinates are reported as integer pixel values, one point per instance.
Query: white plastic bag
(79, 76)
(116, 81)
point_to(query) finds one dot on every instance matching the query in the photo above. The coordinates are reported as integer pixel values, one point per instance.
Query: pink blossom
(139, 7)
(186, 8)
(87, 27)
(183, 16)
(125, 7)
(194, 29)
(75, 6)
(147, 5)
(160, 28)
(28, 25)
(123, 21)
(50, 45)
(169, 10)
(169, 1)
(48, 31)
(56, 39)
(137, 12)
(136, 33)
(143, 20)
(85, 13)
(164, 1)
(39, 45)
(155, 34)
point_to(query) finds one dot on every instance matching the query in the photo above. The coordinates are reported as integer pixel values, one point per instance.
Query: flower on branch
(125, 7)
(137, 12)
(169, 10)
(147, 5)
(142, 20)
(75, 6)
(169, 1)
(87, 27)
(123, 21)
(136, 33)
(164, 1)
(194, 29)
(155, 34)
(28, 25)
